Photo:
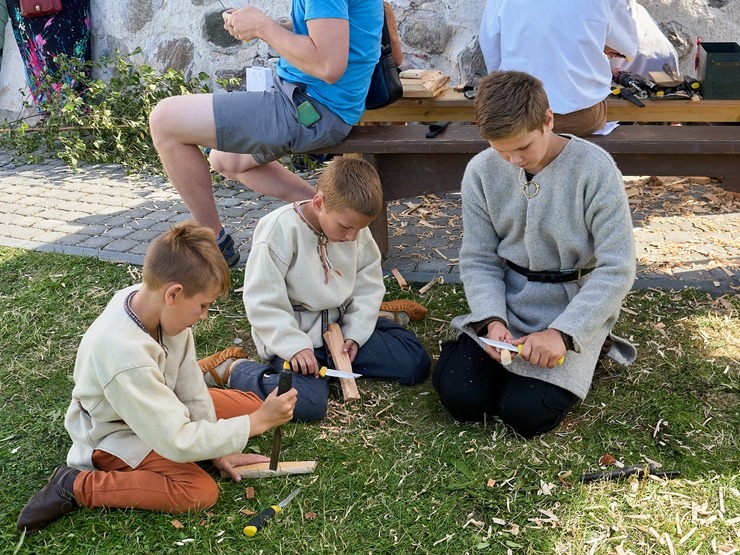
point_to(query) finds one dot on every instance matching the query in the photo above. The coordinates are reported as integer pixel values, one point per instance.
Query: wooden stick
(399, 278)
(262, 470)
(335, 341)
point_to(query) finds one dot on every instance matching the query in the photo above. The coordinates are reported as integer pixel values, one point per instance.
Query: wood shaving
(428, 286)
(399, 278)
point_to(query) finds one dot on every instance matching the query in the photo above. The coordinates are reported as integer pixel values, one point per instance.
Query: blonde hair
(508, 103)
(351, 183)
(187, 254)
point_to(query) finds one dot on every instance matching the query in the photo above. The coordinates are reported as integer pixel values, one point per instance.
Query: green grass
(395, 473)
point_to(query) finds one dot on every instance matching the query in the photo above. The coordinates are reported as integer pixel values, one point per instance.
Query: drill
(643, 87)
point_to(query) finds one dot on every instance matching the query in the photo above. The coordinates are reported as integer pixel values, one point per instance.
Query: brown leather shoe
(54, 501)
(395, 310)
(217, 367)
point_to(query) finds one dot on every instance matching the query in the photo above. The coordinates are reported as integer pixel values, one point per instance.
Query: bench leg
(379, 229)
(731, 184)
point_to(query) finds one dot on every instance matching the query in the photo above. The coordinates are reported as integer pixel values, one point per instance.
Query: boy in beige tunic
(314, 263)
(141, 413)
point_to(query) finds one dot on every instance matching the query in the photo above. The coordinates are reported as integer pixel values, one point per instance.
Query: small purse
(38, 8)
(385, 85)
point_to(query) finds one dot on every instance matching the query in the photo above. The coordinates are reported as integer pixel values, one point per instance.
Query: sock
(227, 248)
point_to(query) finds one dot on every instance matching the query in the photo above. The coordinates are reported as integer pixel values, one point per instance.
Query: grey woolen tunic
(579, 218)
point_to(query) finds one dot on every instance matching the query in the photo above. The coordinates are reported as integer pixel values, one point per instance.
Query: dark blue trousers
(392, 353)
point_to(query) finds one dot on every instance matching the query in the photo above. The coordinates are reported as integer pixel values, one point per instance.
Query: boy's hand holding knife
(539, 349)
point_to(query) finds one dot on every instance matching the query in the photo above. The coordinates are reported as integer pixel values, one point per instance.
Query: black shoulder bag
(385, 85)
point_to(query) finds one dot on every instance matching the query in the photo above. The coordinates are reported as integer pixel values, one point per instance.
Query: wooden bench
(410, 164)
(454, 106)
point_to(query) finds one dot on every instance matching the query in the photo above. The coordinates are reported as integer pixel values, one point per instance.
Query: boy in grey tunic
(537, 208)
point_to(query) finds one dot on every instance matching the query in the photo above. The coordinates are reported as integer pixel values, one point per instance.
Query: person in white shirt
(562, 44)
(653, 47)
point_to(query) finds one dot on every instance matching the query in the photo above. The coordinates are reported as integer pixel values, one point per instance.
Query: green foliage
(395, 473)
(96, 119)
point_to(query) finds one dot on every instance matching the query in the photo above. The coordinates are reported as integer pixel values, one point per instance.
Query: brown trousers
(583, 122)
(158, 484)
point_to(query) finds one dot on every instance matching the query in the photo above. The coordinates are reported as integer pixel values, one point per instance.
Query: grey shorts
(265, 123)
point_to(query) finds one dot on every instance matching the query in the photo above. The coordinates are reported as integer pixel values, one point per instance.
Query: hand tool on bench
(672, 74)
(514, 348)
(334, 340)
(284, 385)
(258, 521)
(436, 128)
(627, 95)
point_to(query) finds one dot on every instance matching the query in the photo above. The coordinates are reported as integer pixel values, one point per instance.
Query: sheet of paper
(609, 126)
(259, 79)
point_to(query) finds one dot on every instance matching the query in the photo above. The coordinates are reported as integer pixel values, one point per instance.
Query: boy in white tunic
(140, 411)
(314, 263)
(546, 260)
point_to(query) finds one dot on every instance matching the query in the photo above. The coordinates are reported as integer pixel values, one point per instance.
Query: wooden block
(262, 470)
(411, 74)
(662, 79)
(334, 340)
(424, 84)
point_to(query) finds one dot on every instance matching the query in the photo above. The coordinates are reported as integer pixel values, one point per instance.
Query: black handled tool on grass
(640, 469)
(259, 520)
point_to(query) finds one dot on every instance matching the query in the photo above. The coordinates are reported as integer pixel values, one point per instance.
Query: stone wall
(440, 34)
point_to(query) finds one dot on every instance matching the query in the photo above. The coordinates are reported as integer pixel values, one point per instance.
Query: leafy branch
(96, 121)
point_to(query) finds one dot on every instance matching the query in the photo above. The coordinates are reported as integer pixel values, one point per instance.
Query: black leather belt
(550, 277)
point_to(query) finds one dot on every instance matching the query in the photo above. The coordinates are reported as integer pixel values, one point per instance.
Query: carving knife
(324, 372)
(330, 372)
(509, 347)
(285, 383)
(259, 520)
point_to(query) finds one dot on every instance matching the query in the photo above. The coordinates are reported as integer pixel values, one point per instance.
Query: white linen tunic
(129, 398)
(284, 270)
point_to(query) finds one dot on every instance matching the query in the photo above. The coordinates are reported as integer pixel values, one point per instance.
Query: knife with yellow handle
(509, 347)
(330, 372)
(258, 521)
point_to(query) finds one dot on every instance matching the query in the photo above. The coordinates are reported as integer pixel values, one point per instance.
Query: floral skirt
(40, 39)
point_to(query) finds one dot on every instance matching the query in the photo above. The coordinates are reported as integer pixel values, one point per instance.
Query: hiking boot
(402, 311)
(227, 248)
(217, 367)
(54, 501)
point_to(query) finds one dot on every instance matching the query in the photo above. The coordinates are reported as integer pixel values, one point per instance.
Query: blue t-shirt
(346, 97)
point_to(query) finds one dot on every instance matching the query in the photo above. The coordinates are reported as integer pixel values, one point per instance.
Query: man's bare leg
(178, 125)
(272, 179)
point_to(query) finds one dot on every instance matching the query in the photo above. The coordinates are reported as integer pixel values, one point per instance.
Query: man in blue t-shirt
(327, 55)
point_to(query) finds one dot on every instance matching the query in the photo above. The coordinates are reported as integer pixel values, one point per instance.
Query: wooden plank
(285, 468)
(334, 342)
(410, 139)
(454, 106)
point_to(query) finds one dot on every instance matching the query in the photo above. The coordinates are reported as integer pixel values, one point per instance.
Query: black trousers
(472, 385)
